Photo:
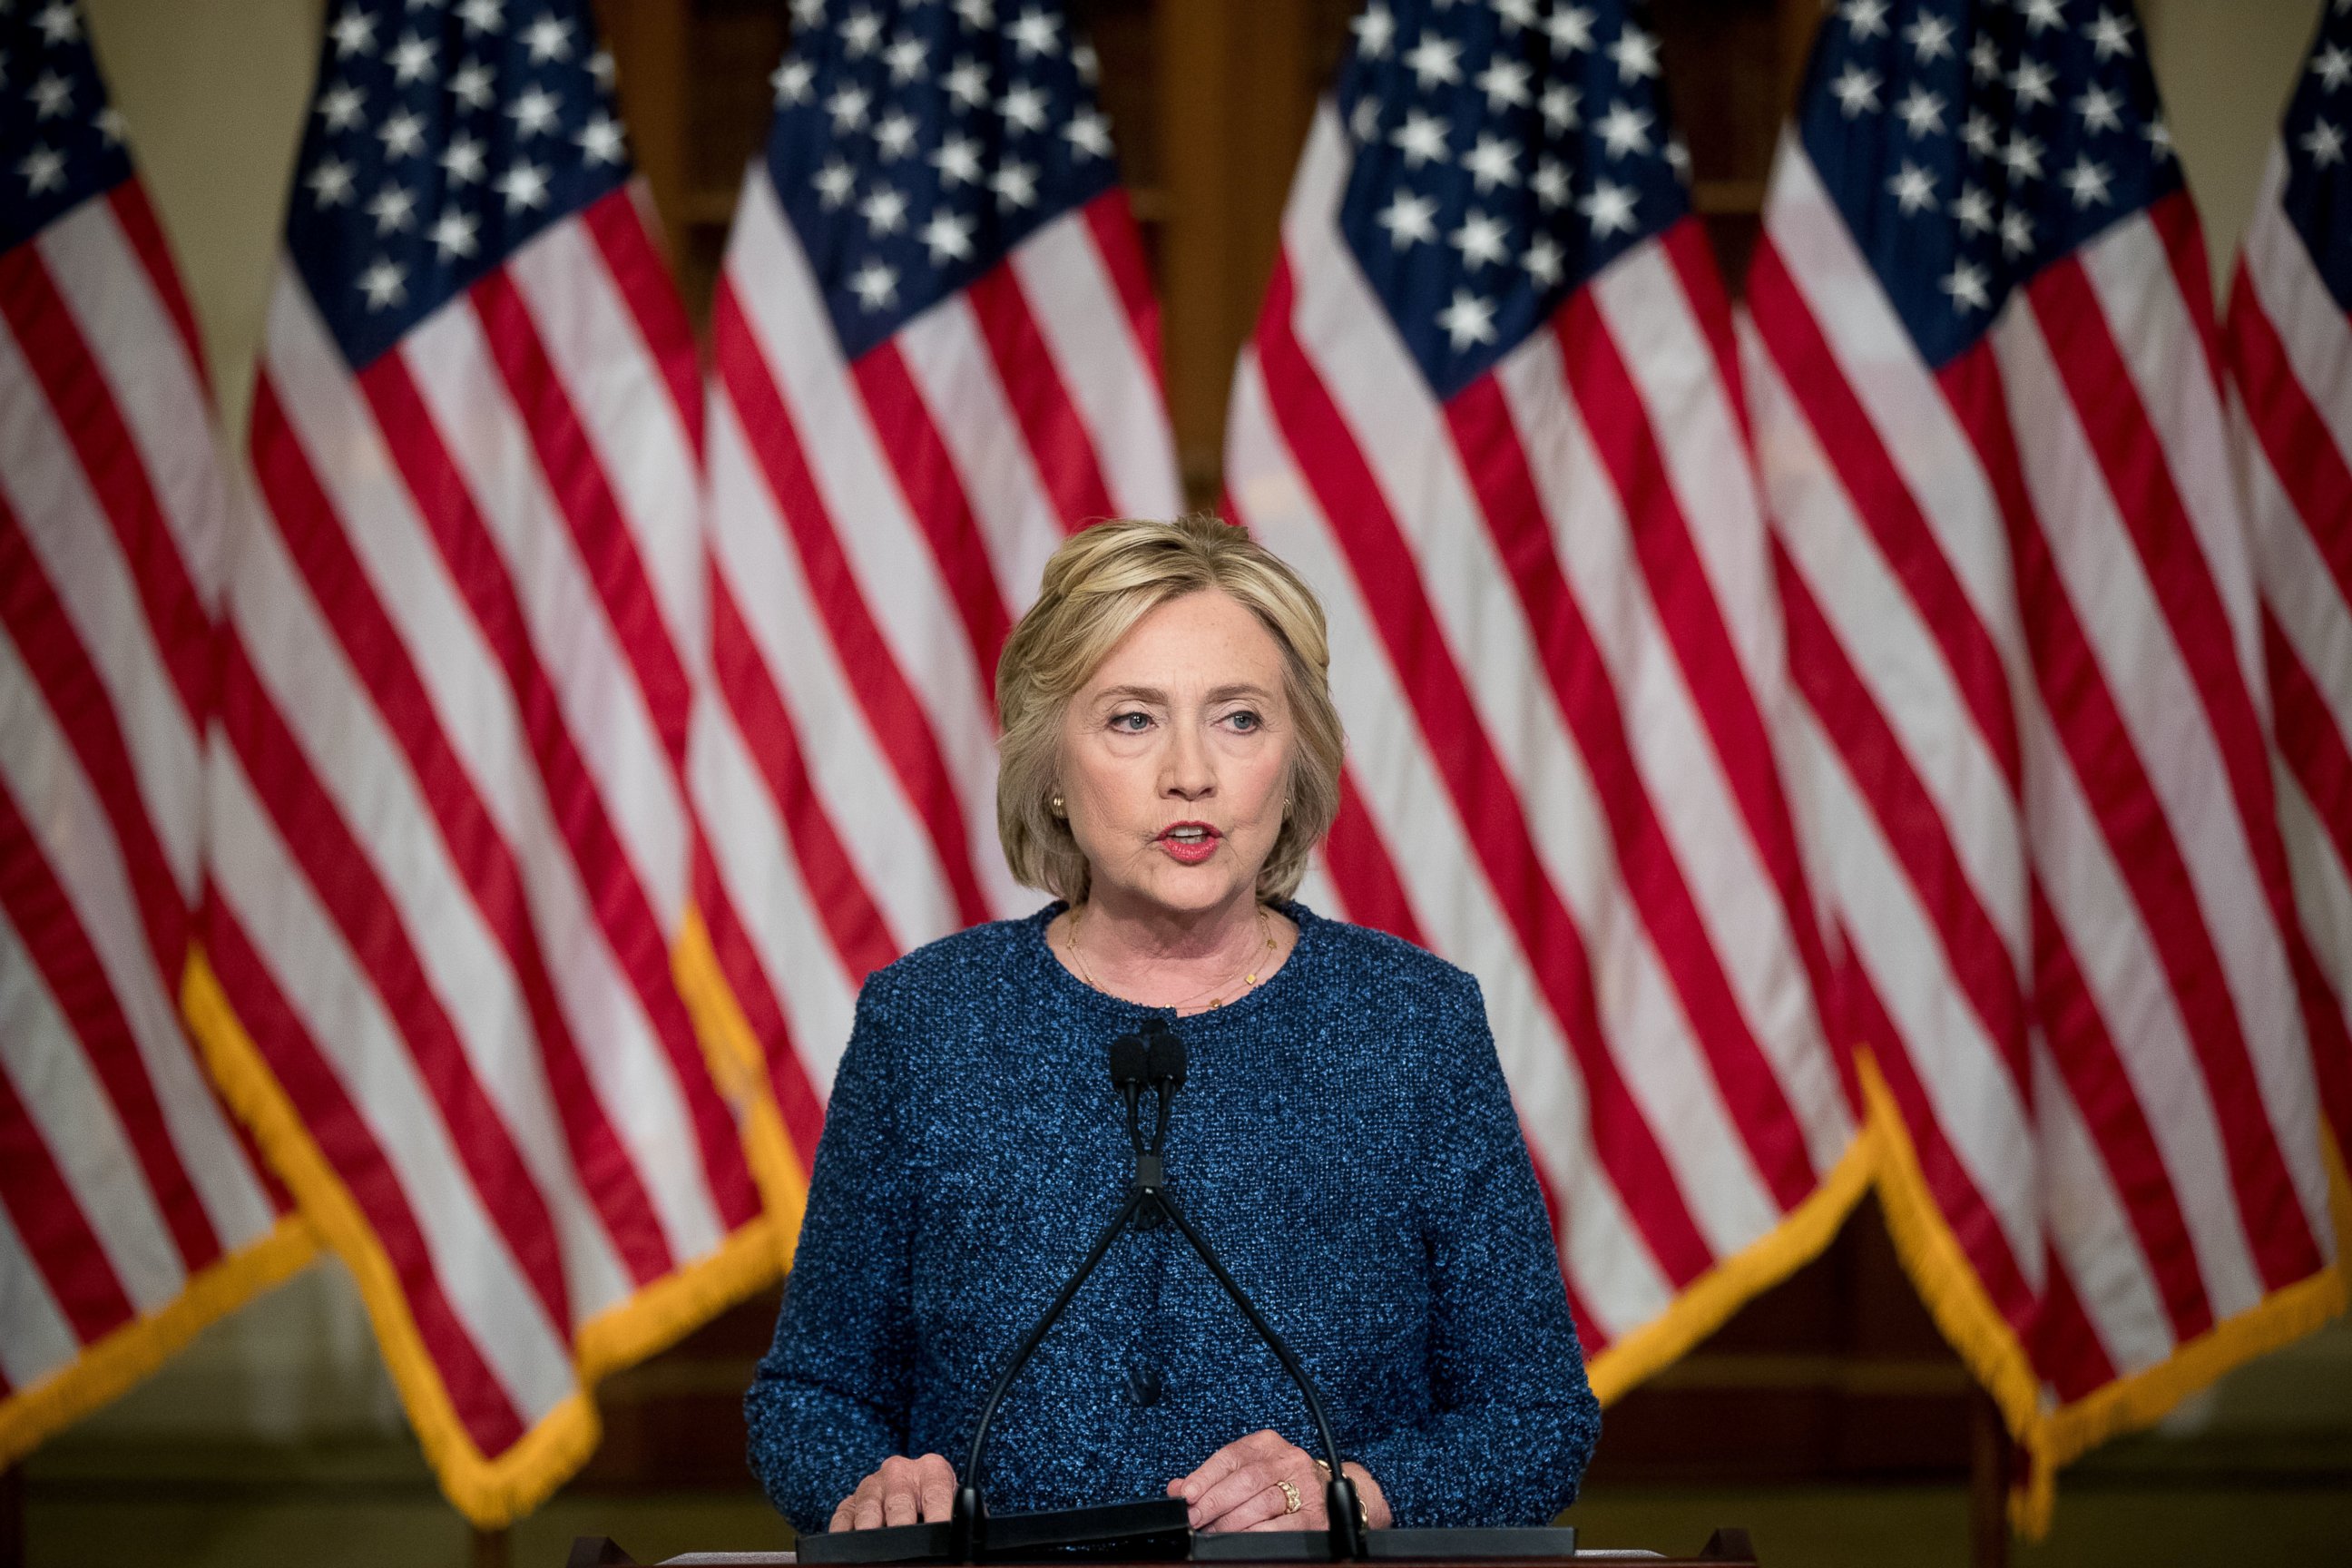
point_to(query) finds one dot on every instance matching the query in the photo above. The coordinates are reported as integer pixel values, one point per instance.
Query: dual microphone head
(1152, 1057)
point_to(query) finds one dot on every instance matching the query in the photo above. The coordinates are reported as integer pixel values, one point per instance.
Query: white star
(792, 81)
(483, 16)
(1921, 112)
(471, 85)
(1375, 30)
(1608, 208)
(524, 185)
(535, 112)
(2098, 107)
(2159, 136)
(462, 160)
(1965, 284)
(1636, 54)
(600, 141)
(1972, 209)
(1864, 18)
(403, 135)
(874, 285)
(1569, 30)
(861, 33)
(353, 33)
(2331, 66)
(2087, 182)
(1678, 156)
(1559, 103)
(1856, 89)
(59, 24)
(52, 96)
(393, 209)
(2031, 83)
(43, 169)
(549, 39)
(1978, 133)
(385, 284)
(1421, 139)
(967, 82)
(1015, 184)
(1493, 161)
(1084, 61)
(453, 234)
(894, 136)
(1088, 134)
(906, 59)
(2041, 15)
(330, 183)
(1984, 59)
(1480, 239)
(1913, 188)
(1469, 319)
(1550, 183)
(1023, 107)
(884, 210)
(949, 236)
(1435, 61)
(1035, 33)
(1504, 83)
(109, 121)
(412, 59)
(1364, 120)
(808, 14)
(2022, 157)
(2110, 34)
(600, 67)
(1931, 37)
(2325, 142)
(1625, 129)
(1514, 15)
(1410, 219)
(847, 106)
(1543, 261)
(835, 183)
(2016, 233)
(978, 14)
(342, 106)
(957, 162)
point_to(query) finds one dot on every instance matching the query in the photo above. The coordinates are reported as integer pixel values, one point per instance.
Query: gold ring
(1289, 1497)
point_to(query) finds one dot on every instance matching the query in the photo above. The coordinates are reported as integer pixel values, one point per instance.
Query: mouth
(1189, 841)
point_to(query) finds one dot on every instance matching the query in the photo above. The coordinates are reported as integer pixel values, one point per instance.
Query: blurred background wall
(1828, 1413)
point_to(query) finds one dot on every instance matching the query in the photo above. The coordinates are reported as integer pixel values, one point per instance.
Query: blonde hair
(1101, 581)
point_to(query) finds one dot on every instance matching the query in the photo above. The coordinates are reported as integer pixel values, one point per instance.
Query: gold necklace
(1249, 977)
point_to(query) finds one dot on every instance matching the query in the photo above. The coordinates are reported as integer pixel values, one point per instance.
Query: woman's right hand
(903, 1491)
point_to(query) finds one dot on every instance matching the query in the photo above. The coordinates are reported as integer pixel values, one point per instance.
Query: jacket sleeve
(1513, 1420)
(830, 1400)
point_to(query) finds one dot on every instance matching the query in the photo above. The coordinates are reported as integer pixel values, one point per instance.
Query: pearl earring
(1058, 807)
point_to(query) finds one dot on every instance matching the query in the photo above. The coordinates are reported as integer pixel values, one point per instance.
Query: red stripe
(136, 218)
(1110, 218)
(1360, 866)
(2115, 778)
(58, 946)
(883, 691)
(1489, 809)
(2308, 739)
(77, 391)
(1588, 1326)
(2331, 1045)
(860, 936)
(575, 475)
(56, 1235)
(1496, 465)
(477, 850)
(2296, 439)
(756, 993)
(343, 1138)
(82, 707)
(2086, 1056)
(1057, 440)
(935, 496)
(1692, 258)
(1882, 503)
(609, 877)
(618, 226)
(2067, 1349)
(346, 884)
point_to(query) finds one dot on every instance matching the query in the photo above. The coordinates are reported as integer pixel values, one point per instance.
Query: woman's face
(1176, 757)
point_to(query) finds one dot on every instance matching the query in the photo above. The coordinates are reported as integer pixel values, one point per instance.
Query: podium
(1726, 1547)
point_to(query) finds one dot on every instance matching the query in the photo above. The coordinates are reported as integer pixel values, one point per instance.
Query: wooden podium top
(1726, 1547)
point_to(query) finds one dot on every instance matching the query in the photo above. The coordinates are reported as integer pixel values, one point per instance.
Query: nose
(1187, 773)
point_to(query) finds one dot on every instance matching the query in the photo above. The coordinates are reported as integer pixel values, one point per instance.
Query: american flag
(1489, 412)
(2023, 615)
(2290, 351)
(936, 352)
(130, 1214)
(449, 838)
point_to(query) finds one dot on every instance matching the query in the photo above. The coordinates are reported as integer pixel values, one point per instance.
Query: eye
(1246, 720)
(1133, 722)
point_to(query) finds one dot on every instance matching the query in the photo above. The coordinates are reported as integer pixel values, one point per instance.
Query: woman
(1170, 757)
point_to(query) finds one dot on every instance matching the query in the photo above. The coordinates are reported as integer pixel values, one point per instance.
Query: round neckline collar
(1308, 946)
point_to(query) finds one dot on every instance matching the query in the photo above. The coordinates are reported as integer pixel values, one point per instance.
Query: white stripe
(1611, 1264)
(334, 720)
(35, 1341)
(2095, 1244)
(76, 1119)
(2313, 330)
(2322, 896)
(2137, 648)
(898, 576)
(473, 709)
(1319, 892)
(580, 653)
(1343, 330)
(881, 831)
(2299, 586)
(761, 878)
(337, 1009)
(1079, 315)
(149, 376)
(617, 388)
(79, 552)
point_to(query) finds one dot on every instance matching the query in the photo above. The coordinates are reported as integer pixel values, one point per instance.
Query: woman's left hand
(1265, 1481)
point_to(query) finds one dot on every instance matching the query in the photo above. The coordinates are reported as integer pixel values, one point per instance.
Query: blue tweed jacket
(1346, 1142)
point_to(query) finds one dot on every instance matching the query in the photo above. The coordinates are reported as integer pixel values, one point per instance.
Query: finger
(901, 1491)
(868, 1514)
(938, 1481)
(841, 1514)
(1241, 1500)
(1214, 1468)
